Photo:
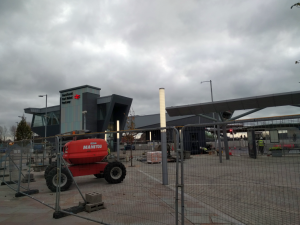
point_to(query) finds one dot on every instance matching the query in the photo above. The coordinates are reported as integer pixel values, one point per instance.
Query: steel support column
(219, 143)
(225, 141)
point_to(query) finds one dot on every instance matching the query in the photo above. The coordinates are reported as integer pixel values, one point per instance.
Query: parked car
(128, 147)
(2, 150)
(38, 148)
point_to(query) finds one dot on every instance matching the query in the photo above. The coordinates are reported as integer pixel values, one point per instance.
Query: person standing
(261, 145)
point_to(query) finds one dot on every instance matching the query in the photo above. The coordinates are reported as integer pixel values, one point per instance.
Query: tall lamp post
(45, 117)
(212, 100)
(84, 119)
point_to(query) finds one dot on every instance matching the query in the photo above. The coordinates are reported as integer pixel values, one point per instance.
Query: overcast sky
(133, 48)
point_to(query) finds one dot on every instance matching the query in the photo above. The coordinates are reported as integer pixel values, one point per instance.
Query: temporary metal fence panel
(14, 169)
(140, 198)
(24, 168)
(241, 189)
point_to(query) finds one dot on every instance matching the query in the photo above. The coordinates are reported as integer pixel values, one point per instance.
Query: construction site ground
(238, 191)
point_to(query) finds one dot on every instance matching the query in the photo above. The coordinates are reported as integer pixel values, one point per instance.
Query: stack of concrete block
(28, 178)
(94, 202)
(153, 157)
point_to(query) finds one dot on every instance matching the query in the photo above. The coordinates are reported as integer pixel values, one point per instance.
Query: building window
(53, 118)
(101, 111)
(38, 121)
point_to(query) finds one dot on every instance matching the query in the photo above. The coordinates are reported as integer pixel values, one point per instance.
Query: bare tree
(13, 131)
(4, 132)
(129, 136)
(1, 132)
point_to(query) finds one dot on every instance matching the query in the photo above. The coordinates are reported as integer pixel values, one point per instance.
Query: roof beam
(207, 117)
(245, 114)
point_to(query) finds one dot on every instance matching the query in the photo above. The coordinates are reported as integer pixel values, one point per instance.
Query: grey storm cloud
(133, 48)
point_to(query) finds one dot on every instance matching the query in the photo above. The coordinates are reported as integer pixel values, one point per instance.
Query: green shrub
(275, 148)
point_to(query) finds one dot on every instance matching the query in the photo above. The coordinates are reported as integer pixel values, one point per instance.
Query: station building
(101, 112)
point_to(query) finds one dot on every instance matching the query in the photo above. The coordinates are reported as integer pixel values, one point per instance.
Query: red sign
(77, 96)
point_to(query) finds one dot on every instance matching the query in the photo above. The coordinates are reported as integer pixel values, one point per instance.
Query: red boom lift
(85, 157)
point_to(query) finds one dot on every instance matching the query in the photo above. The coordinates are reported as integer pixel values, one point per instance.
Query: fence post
(118, 141)
(225, 142)
(5, 167)
(58, 165)
(182, 177)
(176, 144)
(20, 167)
(29, 161)
(219, 143)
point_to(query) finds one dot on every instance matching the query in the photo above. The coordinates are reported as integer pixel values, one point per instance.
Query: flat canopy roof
(42, 110)
(256, 102)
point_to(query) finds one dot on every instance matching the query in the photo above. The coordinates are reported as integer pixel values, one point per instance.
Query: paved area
(238, 191)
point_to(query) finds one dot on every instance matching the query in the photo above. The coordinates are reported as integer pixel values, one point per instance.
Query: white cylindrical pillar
(150, 140)
(118, 140)
(164, 160)
(162, 107)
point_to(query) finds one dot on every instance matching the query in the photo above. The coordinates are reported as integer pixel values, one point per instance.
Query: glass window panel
(38, 121)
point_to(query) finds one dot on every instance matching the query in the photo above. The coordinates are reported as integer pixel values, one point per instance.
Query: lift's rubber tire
(99, 175)
(66, 179)
(49, 168)
(114, 172)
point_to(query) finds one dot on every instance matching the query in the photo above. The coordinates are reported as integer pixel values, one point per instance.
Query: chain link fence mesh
(243, 190)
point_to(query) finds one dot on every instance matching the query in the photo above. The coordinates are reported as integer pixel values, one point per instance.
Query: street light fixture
(212, 100)
(84, 119)
(45, 117)
(210, 89)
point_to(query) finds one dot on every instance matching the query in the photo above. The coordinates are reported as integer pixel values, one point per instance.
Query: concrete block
(28, 178)
(93, 197)
(94, 207)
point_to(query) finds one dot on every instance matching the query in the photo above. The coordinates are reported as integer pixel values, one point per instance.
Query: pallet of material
(153, 157)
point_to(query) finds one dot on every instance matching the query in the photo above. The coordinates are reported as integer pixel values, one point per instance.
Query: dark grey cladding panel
(52, 130)
(180, 122)
(247, 104)
(42, 110)
(153, 121)
(32, 110)
(230, 105)
(105, 99)
(281, 100)
(182, 111)
(89, 104)
(219, 107)
(116, 105)
(210, 107)
(290, 98)
(296, 99)
(114, 98)
(83, 86)
(266, 102)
